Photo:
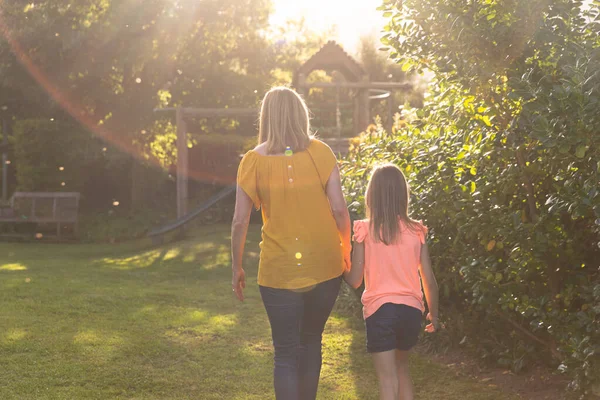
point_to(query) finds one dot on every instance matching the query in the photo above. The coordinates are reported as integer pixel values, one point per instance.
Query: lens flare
(74, 106)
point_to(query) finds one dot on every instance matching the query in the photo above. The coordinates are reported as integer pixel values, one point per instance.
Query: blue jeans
(297, 322)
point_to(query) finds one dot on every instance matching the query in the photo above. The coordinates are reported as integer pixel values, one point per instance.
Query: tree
(109, 64)
(503, 161)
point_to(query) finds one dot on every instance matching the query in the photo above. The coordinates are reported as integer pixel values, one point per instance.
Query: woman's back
(301, 244)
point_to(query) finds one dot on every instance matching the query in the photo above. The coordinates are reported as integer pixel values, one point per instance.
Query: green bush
(49, 155)
(503, 164)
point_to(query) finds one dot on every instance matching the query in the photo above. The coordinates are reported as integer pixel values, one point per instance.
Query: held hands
(347, 251)
(347, 261)
(434, 326)
(238, 283)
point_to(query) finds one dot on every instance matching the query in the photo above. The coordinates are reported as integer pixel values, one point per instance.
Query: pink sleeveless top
(391, 271)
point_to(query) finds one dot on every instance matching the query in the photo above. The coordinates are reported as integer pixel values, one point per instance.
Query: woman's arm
(354, 276)
(239, 229)
(339, 209)
(430, 287)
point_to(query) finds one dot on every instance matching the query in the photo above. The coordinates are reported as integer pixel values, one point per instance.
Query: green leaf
(580, 152)
(407, 65)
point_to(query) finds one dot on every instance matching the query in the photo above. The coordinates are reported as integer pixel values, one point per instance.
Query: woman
(294, 179)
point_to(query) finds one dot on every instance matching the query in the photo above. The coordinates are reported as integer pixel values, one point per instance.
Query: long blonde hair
(387, 201)
(284, 121)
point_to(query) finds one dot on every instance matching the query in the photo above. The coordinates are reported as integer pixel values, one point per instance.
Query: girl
(390, 252)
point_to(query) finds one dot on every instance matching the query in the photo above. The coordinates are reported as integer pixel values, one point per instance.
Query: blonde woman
(294, 179)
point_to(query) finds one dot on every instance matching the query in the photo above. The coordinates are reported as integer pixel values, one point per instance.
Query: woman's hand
(348, 260)
(434, 326)
(238, 282)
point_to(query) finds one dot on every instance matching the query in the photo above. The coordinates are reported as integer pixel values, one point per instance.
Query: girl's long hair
(284, 121)
(387, 200)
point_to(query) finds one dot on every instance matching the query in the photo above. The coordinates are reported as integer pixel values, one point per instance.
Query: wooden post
(390, 114)
(182, 164)
(301, 82)
(54, 200)
(363, 113)
(364, 105)
(356, 116)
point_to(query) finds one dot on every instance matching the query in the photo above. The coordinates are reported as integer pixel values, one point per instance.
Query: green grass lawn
(136, 322)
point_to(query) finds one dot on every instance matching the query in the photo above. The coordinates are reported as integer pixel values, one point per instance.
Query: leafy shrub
(49, 155)
(112, 226)
(60, 156)
(503, 164)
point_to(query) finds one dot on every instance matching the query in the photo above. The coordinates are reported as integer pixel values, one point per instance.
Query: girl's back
(391, 272)
(391, 254)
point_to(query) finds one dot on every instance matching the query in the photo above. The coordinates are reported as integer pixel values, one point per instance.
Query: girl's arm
(430, 287)
(354, 276)
(239, 229)
(339, 209)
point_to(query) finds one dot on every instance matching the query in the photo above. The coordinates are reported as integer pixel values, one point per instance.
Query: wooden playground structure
(331, 57)
(347, 76)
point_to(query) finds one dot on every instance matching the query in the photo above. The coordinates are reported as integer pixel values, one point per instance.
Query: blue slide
(157, 234)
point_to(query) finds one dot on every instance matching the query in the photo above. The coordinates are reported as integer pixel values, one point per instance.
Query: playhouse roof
(333, 57)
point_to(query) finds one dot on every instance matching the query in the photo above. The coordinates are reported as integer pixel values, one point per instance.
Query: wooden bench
(43, 208)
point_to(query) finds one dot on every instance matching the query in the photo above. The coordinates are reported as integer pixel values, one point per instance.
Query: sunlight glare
(12, 267)
(16, 334)
(350, 19)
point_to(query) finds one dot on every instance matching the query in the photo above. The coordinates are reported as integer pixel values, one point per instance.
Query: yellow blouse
(300, 244)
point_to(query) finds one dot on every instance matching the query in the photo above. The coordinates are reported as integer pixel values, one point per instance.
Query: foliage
(114, 226)
(503, 160)
(109, 64)
(382, 69)
(57, 156)
(49, 155)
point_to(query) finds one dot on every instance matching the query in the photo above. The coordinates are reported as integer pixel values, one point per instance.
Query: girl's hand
(238, 283)
(434, 326)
